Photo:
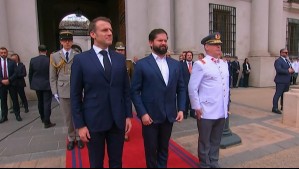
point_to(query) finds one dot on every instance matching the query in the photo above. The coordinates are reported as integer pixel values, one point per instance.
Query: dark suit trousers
(22, 95)
(245, 81)
(235, 79)
(156, 141)
(13, 94)
(209, 142)
(188, 106)
(280, 89)
(44, 104)
(114, 138)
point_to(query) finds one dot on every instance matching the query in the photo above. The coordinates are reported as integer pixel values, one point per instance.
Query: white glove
(57, 98)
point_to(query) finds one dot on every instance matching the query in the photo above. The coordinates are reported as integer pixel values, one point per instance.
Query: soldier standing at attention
(121, 49)
(60, 72)
(209, 96)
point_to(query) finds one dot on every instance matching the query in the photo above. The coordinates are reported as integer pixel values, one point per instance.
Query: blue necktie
(67, 56)
(107, 64)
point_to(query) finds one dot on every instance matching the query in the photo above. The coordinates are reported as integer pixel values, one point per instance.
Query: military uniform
(209, 93)
(130, 68)
(60, 72)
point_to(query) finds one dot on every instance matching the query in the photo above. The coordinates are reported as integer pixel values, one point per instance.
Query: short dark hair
(3, 48)
(189, 52)
(15, 54)
(42, 48)
(202, 54)
(152, 36)
(283, 49)
(92, 25)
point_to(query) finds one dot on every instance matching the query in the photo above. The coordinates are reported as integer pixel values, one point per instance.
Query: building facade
(254, 29)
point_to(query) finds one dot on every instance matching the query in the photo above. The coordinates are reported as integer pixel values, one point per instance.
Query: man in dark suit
(157, 91)
(100, 97)
(20, 81)
(8, 77)
(282, 79)
(186, 70)
(39, 81)
(236, 70)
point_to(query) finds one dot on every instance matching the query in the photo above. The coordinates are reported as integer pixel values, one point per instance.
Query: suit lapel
(113, 64)
(171, 70)
(284, 61)
(152, 62)
(61, 54)
(94, 59)
(71, 57)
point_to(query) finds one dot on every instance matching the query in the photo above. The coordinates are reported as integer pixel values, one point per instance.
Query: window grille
(293, 37)
(293, 1)
(223, 20)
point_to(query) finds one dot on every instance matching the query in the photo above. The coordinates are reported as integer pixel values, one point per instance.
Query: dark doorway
(50, 14)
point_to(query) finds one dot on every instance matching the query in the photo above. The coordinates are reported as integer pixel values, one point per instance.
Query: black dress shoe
(70, 145)
(194, 116)
(185, 116)
(281, 108)
(19, 118)
(4, 119)
(80, 144)
(276, 111)
(26, 110)
(48, 125)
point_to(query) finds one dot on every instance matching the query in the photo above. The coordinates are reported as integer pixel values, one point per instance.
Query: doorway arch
(78, 24)
(51, 13)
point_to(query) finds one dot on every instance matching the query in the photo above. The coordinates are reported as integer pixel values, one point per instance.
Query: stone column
(259, 28)
(3, 25)
(184, 25)
(159, 16)
(201, 20)
(23, 32)
(136, 28)
(263, 72)
(277, 27)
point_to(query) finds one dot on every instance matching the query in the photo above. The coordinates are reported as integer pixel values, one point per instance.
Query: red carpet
(178, 157)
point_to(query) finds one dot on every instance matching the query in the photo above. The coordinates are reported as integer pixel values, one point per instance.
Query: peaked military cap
(119, 45)
(214, 38)
(65, 35)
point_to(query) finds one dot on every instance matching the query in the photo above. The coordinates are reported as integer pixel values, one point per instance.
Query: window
(293, 37)
(223, 20)
(293, 1)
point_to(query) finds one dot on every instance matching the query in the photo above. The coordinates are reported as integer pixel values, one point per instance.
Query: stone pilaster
(185, 25)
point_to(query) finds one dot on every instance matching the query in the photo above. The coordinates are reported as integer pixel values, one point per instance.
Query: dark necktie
(107, 64)
(67, 56)
(5, 70)
(289, 63)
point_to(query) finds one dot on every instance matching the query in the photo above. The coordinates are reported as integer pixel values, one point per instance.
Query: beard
(160, 50)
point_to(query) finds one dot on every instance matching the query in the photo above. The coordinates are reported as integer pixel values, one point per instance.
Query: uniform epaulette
(202, 61)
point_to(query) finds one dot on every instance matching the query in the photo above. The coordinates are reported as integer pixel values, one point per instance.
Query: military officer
(209, 96)
(120, 48)
(60, 71)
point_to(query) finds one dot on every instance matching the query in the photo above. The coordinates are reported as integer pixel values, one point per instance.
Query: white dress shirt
(64, 52)
(209, 88)
(2, 66)
(163, 66)
(295, 66)
(100, 56)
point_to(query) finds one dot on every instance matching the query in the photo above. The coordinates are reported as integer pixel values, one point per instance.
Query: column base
(230, 140)
(262, 71)
(290, 116)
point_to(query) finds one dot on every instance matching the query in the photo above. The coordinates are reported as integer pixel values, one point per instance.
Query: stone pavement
(266, 142)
